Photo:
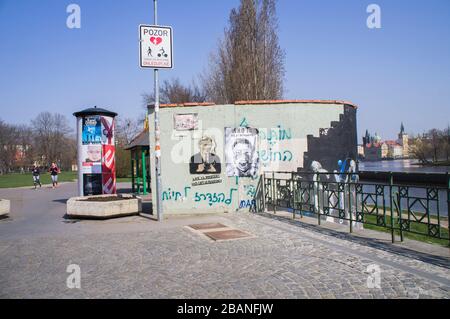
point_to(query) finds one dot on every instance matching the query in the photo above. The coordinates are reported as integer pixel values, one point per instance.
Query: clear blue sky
(400, 72)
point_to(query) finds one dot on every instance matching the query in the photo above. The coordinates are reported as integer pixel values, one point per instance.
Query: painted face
(94, 154)
(206, 147)
(242, 156)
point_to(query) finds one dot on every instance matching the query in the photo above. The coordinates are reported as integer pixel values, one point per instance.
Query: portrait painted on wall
(185, 122)
(241, 151)
(205, 161)
(91, 130)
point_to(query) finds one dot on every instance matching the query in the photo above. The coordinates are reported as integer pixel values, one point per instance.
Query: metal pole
(144, 173)
(159, 211)
(391, 193)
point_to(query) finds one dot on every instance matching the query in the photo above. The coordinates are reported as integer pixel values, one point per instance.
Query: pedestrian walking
(54, 171)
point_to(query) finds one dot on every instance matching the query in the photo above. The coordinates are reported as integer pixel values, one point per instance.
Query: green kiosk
(140, 163)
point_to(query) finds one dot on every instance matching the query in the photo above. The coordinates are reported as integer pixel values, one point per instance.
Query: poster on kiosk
(96, 152)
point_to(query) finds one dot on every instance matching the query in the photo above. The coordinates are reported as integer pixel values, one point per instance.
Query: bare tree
(52, 140)
(7, 147)
(432, 146)
(445, 142)
(127, 129)
(434, 141)
(175, 92)
(420, 149)
(249, 62)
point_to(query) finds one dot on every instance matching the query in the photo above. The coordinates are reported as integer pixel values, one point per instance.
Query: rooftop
(265, 102)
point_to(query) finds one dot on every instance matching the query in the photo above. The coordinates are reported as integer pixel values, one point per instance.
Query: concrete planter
(87, 207)
(5, 207)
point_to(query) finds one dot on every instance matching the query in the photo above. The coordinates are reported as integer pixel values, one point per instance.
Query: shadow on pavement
(366, 241)
(62, 201)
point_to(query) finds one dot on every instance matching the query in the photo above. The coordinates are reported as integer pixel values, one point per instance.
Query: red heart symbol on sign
(155, 41)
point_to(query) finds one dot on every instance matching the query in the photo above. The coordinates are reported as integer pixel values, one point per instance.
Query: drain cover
(227, 234)
(207, 226)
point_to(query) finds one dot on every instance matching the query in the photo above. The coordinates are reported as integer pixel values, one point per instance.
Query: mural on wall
(205, 161)
(241, 154)
(185, 122)
(335, 143)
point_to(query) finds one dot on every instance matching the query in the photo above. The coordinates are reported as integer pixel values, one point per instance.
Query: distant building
(403, 140)
(361, 151)
(374, 149)
(395, 150)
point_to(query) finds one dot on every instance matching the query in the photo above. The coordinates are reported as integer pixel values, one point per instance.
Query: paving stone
(146, 259)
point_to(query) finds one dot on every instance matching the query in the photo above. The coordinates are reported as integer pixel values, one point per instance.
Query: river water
(401, 166)
(408, 166)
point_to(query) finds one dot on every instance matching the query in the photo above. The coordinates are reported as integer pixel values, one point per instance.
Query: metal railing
(341, 197)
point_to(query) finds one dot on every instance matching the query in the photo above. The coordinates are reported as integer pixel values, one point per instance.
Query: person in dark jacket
(54, 171)
(36, 176)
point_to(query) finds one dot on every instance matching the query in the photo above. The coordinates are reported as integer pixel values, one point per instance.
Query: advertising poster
(107, 130)
(241, 151)
(91, 130)
(91, 155)
(109, 183)
(108, 161)
(92, 184)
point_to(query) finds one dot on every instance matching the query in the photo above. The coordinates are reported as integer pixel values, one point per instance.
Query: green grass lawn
(21, 180)
(414, 226)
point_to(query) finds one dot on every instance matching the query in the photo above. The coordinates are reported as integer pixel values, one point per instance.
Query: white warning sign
(155, 47)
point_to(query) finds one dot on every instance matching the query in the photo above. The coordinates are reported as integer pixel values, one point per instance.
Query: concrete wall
(285, 131)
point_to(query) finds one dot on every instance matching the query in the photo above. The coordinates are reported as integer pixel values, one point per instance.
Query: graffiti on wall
(274, 135)
(215, 198)
(250, 193)
(173, 195)
(279, 149)
(205, 161)
(211, 198)
(241, 151)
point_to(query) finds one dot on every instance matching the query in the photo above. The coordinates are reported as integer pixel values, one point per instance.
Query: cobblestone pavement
(138, 258)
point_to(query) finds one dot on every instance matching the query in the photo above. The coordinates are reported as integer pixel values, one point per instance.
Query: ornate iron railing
(341, 197)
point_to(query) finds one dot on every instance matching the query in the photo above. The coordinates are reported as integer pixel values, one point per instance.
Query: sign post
(156, 52)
